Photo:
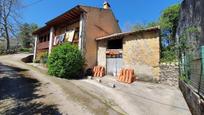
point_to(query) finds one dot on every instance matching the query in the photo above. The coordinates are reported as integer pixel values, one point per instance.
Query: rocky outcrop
(192, 15)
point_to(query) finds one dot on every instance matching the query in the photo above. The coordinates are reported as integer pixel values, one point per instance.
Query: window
(115, 44)
(40, 39)
(44, 38)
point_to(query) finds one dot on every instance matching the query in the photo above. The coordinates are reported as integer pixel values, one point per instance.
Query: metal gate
(114, 65)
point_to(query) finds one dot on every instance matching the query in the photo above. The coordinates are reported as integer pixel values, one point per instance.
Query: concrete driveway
(141, 98)
(91, 97)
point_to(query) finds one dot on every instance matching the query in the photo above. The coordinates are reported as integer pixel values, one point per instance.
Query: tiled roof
(127, 33)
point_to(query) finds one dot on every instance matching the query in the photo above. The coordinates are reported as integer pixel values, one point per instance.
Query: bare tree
(0, 19)
(8, 19)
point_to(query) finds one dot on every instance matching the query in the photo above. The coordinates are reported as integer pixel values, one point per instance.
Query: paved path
(17, 93)
(90, 97)
(52, 92)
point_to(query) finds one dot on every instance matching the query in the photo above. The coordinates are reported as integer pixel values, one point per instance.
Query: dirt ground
(26, 89)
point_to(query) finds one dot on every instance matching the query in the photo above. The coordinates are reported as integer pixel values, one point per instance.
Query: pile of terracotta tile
(126, 76)
(98, 71)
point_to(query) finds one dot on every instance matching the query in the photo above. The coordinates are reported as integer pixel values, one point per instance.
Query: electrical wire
(33, 3)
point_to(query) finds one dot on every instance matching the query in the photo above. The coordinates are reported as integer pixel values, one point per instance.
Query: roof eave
(76, 9)
(50, 23)
(45, 28)
(127, 33)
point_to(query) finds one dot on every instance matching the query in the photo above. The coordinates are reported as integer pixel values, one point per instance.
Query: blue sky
(128, 12)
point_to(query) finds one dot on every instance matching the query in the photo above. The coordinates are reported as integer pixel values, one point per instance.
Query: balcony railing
(43, 45)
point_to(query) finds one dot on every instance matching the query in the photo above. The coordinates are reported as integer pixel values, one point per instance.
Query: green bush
(168, 54)
(183, 77)
(65, 61)
(25, 49)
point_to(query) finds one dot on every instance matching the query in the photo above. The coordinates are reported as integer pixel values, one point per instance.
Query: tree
(152, 24)
(169, 22)
(8, 19)
(25, 34)
(140, 26)
(1, 28)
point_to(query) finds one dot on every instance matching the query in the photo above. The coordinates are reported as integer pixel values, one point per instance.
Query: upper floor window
(44, 38)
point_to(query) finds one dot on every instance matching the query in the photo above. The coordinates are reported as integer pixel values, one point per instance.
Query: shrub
(65, 61)
(25, 49)
(168, 54)
(9, 51)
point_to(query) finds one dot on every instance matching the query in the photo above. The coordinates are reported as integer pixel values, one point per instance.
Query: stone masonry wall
(142, 53)
(169, 74)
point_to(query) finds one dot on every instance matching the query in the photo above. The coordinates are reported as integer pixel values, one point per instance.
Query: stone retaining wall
(169, 74)
(195, 102)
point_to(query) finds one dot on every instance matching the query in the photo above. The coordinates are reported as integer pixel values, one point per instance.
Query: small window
(115, 44)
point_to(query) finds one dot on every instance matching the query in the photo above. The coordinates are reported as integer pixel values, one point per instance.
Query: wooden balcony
(43, 45)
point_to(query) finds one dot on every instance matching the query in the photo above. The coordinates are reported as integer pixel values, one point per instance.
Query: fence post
(202, 63)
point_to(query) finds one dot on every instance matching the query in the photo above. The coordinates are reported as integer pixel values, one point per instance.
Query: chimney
(106, 5)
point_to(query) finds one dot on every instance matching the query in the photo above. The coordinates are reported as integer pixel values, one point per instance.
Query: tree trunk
(7, 43)
(7, 38)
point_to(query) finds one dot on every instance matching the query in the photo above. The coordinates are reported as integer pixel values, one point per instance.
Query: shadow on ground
(17, 91)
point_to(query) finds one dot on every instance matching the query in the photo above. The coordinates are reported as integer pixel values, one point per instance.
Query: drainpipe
(51, 39)
(35, 48)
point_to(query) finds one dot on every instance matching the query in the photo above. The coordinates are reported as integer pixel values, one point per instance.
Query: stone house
(80, 26)
(138, 50)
